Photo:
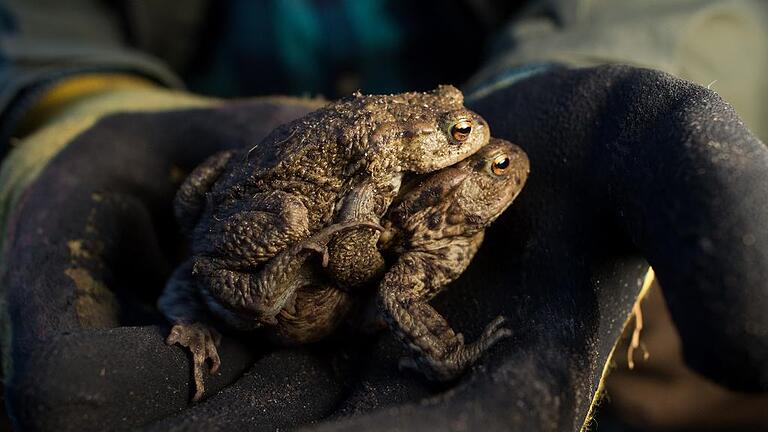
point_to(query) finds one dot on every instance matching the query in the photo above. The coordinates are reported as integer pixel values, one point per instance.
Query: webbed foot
(202, 341)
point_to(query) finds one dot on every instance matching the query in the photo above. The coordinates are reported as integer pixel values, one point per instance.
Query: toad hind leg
(264, 294)
(190, 199)
(181, 305)
(202, 341)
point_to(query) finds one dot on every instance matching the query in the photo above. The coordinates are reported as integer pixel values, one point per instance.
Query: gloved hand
(90, 240)
(627, 165)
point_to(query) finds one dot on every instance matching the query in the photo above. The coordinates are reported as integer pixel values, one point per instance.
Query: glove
(84, 340)
(628, 167)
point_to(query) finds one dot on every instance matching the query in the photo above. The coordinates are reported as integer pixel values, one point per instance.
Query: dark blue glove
(628, 167)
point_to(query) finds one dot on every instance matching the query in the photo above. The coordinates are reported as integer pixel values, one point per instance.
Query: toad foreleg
(439, 352)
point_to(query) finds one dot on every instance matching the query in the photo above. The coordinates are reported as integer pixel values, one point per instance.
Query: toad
(434, 232)
(341, 164)
(431, 233)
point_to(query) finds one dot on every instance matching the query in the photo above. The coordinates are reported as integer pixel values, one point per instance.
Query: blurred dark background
(241, 48)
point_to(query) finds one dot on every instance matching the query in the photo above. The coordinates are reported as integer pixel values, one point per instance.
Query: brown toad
(432, 232)
(341, 164)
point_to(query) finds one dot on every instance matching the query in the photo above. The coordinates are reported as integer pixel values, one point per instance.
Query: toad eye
(460, 131)
(500, 164)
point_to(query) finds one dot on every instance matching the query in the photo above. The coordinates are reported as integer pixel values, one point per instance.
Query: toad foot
(202, 341)
(460, 357)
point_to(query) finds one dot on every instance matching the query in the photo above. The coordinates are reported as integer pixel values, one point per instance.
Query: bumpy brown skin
(432, 231)
(340, 164)
(435, 231)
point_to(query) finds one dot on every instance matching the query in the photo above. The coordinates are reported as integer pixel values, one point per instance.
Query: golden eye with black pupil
(500, 164)
(460, 131)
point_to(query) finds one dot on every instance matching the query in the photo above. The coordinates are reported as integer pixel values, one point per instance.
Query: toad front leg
(439, 352)
(354, 258)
